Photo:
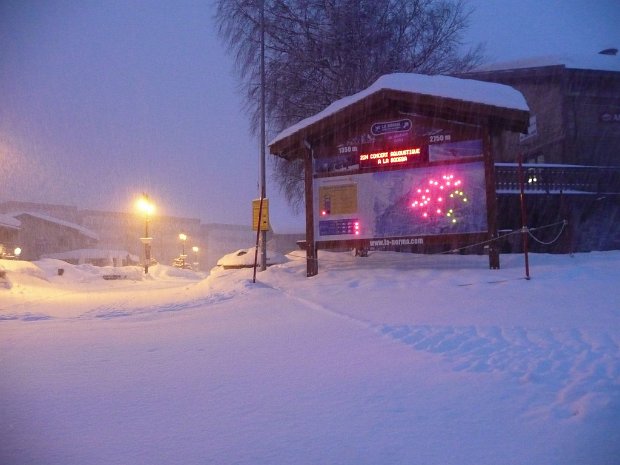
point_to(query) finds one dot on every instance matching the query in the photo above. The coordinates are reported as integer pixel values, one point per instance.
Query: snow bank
(392, 358)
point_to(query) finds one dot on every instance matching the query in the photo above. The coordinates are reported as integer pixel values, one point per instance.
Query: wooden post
(312, 264)
(489, 176)
(524, 231)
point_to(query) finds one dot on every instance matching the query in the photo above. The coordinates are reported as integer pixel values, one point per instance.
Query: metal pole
(146, 244)
(524, 231)
(263, 184)
(312, 264)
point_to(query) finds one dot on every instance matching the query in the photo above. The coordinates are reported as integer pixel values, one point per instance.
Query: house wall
(9, 239)
(568, 105)
(592, 137)
(115, 230)
(38, 236)
(577, 123)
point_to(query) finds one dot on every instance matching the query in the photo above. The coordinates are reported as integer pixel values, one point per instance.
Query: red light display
(390, 157)
(439, 199)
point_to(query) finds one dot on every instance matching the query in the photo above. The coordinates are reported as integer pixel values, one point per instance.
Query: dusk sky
(102, 100)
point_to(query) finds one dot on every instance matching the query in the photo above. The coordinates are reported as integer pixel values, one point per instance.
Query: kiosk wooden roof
(496, 106)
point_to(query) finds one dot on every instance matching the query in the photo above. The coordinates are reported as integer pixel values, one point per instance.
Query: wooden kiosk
(406, 164)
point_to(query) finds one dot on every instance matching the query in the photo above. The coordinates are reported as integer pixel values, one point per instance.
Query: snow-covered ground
(389, 359)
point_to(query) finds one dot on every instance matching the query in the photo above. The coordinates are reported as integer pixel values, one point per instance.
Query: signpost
(260, 216)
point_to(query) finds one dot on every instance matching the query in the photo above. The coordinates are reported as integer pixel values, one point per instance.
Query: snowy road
(364, 364)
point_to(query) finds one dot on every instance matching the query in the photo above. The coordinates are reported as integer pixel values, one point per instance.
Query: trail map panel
(399, 180)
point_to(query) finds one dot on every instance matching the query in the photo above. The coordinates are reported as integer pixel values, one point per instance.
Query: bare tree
(318, 51)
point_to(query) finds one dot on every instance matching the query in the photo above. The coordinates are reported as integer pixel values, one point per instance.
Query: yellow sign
(264, 215)
(338, 200)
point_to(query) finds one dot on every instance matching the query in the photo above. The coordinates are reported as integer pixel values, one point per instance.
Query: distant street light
(195, 249)
(183, 238)
(146, 207)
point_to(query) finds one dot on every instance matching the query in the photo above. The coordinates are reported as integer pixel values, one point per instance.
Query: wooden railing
(556, 179)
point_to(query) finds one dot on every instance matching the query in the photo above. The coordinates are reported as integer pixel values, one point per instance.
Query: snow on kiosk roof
(465, 100)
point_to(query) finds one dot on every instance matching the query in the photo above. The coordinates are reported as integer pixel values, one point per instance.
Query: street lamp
(145, 206)
(195, 249)
(183, 238)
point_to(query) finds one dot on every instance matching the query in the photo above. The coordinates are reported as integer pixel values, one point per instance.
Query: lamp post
(195, 249)
(145, 206)
(183, 238)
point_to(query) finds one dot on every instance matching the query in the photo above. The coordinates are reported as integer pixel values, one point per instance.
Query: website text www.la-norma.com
(399, 241)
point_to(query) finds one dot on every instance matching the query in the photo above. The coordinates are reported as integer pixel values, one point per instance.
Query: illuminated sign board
(390, 157)
(398, 181)
(413, 202)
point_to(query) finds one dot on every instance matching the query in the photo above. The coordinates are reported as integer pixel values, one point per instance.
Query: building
(9, 235)
(571, 153)
(40, 234)
(113, 238)
(121, 230)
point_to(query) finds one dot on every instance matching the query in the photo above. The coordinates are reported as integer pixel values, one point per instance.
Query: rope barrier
(564, 223)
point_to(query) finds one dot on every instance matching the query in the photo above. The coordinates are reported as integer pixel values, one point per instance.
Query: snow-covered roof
(595, 61)
(7, 221)
(467, 90)
(51, 219)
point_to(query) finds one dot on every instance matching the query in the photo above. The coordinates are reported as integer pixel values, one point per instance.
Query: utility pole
(263, 185)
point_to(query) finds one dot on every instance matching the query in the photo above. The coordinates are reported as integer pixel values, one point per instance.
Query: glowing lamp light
(17, 252)
(146, 207)
(323, 213)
